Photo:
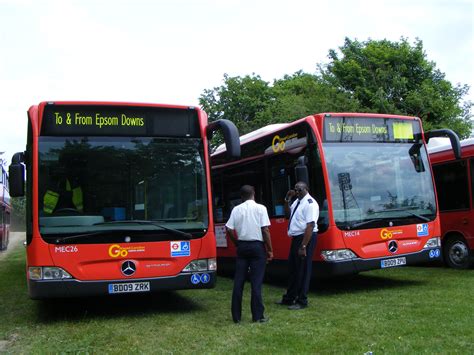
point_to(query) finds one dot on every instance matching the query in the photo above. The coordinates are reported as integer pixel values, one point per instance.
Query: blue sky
(170, 51)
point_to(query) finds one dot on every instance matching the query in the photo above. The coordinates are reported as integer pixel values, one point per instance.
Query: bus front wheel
(456, 253)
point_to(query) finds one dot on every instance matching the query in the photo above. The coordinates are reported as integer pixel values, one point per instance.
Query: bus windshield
(146, 186)
(372, 183)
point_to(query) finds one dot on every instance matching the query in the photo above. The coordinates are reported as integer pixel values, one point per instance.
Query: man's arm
(268, 242)
(231, 234)
(288, 197)
(308, 232)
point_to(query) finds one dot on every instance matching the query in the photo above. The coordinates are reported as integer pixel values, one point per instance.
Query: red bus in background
(5, 210)
(369, 173)
(117, 198)
(455, 188)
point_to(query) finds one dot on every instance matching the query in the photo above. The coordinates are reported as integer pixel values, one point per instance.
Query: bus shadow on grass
(117, 306)
(363, 282)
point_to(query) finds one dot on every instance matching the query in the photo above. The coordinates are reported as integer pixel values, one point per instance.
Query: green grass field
(403, 310)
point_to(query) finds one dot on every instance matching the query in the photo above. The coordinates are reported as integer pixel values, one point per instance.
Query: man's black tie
(293, 213)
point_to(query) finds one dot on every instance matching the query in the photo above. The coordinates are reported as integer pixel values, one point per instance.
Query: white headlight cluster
(337, 255)
(433, 243)
(47, 273)
(201, 265)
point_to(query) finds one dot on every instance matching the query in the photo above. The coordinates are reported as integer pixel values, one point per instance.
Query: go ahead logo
(180, 248)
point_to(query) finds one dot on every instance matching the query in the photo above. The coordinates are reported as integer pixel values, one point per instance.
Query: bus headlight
(433, 243)
(201, 265)
(47, 273)
(337, 255)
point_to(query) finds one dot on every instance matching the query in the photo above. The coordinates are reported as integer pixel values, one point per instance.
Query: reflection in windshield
(372, 182)
(85, 182)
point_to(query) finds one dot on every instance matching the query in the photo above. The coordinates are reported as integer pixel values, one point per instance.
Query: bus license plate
(393, 262)
(129, 287)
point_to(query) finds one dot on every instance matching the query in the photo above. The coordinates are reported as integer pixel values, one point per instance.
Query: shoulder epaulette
(310, 200)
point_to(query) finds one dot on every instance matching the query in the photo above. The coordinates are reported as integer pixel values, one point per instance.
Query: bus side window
(451, 184)
(472, 182)
(279, 186)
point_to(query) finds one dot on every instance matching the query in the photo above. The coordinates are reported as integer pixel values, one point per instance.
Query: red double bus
(5, 210)
(455, 188)
(369, 173)
(117, 198)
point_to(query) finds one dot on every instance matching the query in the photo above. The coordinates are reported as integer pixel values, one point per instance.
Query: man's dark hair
(247, 192)
(303, 185)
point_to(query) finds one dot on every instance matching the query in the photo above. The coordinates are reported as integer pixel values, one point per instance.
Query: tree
(372, 76)
(395, 77)
(241, 100)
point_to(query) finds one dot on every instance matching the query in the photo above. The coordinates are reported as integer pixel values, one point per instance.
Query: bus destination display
(364, 129)
(118, 121)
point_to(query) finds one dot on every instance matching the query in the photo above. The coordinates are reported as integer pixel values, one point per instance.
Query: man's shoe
(297, 306)
(284, 303)
(237, 321)
(262, 320)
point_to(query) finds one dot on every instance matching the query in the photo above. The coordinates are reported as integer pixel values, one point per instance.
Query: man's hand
(269, 256)
(290, 194)
(302, 252)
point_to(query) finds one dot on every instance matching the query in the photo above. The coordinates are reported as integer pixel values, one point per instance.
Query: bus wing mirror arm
(231, 136)
(16, 173)
(453, 137)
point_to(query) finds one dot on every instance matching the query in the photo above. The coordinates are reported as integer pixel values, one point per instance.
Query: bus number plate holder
(129, 287)
(393, 262)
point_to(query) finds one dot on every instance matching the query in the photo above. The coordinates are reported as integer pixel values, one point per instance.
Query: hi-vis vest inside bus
(51, 198)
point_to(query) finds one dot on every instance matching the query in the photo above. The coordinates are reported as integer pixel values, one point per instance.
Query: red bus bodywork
(100, 268)
(416, 241)
(457, 215)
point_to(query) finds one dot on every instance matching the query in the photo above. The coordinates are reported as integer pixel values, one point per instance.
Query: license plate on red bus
(393, 262)
(129, 287)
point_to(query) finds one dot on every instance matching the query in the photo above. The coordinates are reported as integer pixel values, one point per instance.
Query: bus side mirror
(453, 137)
(231, 136)
(16, 178)
(301, 170)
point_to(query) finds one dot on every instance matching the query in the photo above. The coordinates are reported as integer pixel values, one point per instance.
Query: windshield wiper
(406, 210)
(362, 223)
(423, 218)
(152, 223)
(85, 235)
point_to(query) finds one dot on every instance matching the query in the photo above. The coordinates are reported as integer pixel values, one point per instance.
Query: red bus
(117, 198)
(455, 188)
(369, 173)
(5, 210)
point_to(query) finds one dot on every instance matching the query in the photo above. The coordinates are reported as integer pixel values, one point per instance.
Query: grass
(402, 310)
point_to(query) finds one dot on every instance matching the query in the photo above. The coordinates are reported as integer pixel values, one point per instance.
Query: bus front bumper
(66, 288)
(354, 266)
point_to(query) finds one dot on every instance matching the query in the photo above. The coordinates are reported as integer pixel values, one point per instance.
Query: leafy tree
(241, 100)
(372, 76)
(396, 77)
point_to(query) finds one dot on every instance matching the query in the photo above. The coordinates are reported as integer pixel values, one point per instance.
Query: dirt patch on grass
(16, 239)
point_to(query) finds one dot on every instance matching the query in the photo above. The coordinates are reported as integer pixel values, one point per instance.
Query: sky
(171, 51)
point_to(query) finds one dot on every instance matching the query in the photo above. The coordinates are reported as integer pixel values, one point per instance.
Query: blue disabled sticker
(432, 253)
(181, 248)
(205, 278)
(437, 253)
(422, 230)
(195, 279)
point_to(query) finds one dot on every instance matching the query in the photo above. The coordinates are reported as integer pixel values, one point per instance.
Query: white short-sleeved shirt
(247, 219)
(307, 212)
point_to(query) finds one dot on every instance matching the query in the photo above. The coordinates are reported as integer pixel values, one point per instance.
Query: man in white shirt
(247, 227)
(302, 229)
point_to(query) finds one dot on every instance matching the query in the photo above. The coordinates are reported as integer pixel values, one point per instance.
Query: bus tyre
(456, 253)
